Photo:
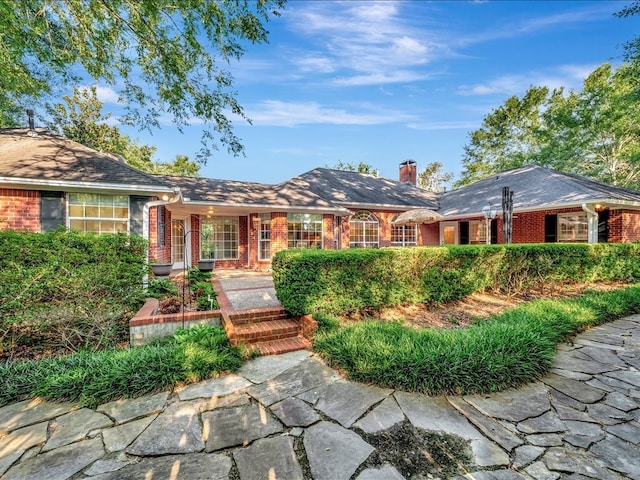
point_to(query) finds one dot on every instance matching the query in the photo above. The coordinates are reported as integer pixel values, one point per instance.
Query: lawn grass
(507, 350)
(92, 378)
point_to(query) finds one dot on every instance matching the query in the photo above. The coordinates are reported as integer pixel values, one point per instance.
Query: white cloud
(567, 76)
(444, 125)
(289, 114)
(365, 42)
(106, 94)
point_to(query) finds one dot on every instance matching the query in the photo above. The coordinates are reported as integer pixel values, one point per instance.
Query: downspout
(592, 218)
(145, 220)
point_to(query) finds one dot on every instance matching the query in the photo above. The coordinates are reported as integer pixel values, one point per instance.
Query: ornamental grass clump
(507, 350)
(92, 378)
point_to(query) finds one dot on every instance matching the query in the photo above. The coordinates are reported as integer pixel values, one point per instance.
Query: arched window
(363, 230)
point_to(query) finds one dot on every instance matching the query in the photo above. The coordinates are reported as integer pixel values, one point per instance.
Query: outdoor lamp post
(489, 214)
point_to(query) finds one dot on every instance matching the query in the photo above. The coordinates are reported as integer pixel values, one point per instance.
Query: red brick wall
(624, 226)
(278, 232)
(429, 234)
(528, 227)
(328, 240)
(19, 210)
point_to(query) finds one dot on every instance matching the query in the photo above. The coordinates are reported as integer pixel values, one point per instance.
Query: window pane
(304, 230)
(86, 210)
(220, 238)
(363, 230)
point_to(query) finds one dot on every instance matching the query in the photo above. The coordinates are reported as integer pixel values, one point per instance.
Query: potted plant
(161, 269)
(207, 260)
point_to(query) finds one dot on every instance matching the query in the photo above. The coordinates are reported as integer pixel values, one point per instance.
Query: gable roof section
(49, 159)
(534, 188)
(353, 189)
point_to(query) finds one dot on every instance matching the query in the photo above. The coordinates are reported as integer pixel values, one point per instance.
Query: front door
(448, 233)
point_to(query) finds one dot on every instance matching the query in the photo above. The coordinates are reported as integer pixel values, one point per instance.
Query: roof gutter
(59, 184)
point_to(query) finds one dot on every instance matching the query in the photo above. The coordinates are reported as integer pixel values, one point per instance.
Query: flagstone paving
(292, 417)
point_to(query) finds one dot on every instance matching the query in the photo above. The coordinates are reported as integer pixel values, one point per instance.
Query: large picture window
(219, 238)
(364, 230)
(98, 213)
(304, 230)
(404, 235)
(573, 227)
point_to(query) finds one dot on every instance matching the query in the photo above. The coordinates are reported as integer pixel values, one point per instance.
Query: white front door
(179, 245)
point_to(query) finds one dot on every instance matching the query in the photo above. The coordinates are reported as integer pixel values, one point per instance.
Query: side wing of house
(548, 206)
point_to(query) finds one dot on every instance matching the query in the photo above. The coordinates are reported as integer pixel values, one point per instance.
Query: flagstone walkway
(292, 417)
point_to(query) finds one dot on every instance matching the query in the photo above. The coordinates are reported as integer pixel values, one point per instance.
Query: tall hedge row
(68, 290)
(346, 281)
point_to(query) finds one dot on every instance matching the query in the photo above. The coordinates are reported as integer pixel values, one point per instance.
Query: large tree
(507, 138)
(433, 178)
(80, 119)
(352, 167)
(593, 132)
(163, 56)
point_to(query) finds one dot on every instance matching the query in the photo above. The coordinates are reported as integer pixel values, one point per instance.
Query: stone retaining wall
(146, 326)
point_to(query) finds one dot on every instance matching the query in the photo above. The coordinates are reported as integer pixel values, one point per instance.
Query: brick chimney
(408, 172)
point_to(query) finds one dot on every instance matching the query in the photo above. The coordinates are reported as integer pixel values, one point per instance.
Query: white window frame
(477, 232)
(84, 218)
(572, 223)
(223, 248)
(264, 237)
(311, 224)
(399, 233)
(367, 222)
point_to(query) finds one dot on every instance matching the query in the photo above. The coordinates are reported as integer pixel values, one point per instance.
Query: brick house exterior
(47, 181)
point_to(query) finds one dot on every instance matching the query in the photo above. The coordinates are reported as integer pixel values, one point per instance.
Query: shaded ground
(419, 454)
(477, 306)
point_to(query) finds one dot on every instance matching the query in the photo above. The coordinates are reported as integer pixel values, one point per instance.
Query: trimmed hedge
(346, 281)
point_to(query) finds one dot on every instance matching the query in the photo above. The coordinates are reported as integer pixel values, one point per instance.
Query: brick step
(258, 316)
(267, 330)
(284, 345)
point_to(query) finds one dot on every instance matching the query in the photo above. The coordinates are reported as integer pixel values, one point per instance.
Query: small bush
(161, 288)
(195, 275)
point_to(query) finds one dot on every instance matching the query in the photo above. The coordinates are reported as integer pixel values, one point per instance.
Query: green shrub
(195, 275)
(508, 350)
(68, 289)
(161, 288)
(346, 281)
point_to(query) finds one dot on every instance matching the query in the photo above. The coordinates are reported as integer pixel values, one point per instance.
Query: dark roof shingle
(46, 156)
(533, 187)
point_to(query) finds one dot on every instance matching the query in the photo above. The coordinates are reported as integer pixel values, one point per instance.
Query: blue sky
(382, 82)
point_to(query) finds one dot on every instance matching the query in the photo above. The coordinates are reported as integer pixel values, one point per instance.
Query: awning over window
(418, 215)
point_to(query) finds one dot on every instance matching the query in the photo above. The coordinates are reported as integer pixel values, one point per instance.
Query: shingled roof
(534, 187)
(353, 189)
(43, 156)
(230, 192)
